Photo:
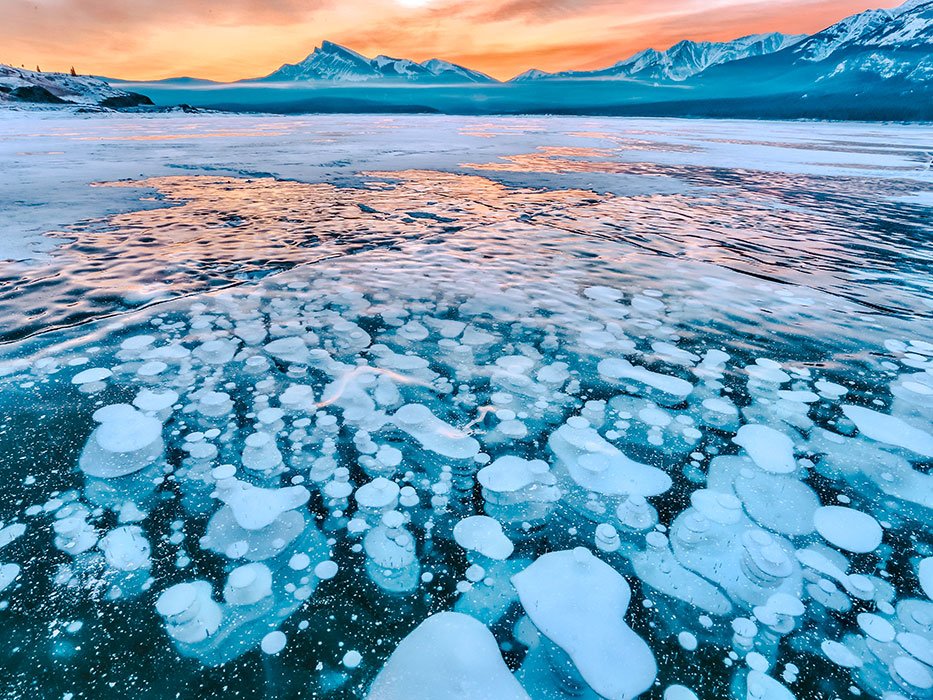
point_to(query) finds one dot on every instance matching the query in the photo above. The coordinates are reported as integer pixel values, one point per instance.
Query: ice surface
(421, 396)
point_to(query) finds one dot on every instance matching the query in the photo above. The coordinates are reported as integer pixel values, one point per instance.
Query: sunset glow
(235, 39)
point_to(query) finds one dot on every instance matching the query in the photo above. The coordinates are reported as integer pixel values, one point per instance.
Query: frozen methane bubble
(91, 376)
(434, 434)
(667, 389)
(8, 574)
(579, 603)
(449, 656)
(596, 465)
(770, 449)
(925, 575)
(189, 611)
(848, 528)
(764, 687)
(890, 430)
(126, 548)
(273, 642)
(255, 508)
(482, 534)
(125, 442)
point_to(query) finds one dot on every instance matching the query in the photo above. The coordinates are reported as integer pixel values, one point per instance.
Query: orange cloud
(233, 39)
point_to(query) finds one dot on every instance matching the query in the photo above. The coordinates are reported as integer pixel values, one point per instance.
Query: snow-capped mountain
(887, 45)
(331, 62)
(678, 63)
(21, 85)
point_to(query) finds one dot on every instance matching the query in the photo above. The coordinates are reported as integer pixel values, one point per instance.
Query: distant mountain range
(877, 64)
(680, 62)
(882, 43)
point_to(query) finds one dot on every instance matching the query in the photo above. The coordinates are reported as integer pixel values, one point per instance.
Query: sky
(235, 39)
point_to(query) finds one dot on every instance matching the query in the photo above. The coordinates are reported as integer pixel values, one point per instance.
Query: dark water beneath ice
(826, 279)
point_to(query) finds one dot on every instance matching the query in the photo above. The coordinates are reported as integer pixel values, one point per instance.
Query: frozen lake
(439, 407)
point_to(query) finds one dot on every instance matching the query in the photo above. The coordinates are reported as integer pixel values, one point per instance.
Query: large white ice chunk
(449, 656)
(579, 603)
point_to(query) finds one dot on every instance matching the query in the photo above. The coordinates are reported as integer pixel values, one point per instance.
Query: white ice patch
(579, 603)
(449, 656)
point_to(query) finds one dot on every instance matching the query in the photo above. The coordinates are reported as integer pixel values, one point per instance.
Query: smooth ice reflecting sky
(235, 39)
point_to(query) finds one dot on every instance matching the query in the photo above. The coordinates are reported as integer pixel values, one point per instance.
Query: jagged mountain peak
(331, 62)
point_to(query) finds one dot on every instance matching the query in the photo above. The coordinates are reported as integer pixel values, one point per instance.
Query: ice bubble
(449, 656)
(326, 570)
(890, 430)
(579, 603)
(378, 495)
(255, 508)
(150, 401)
(673, 389)
(273, 642)
(770, 449)
(482, 534)
(217, 352)
(847, 528)
(840, 654)
(598, 466)
(352, 659)
(679, 692)
(434, 434)
(913, 672)
(763, 687)
(925, 575)
(248, 584)
(190, 613)
(876, 627)
(8, 574)
(10, 533)
(91, 376)
(125, 442)
(126, 548)
(292, 350)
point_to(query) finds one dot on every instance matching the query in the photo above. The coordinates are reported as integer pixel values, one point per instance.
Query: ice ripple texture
(509, 461)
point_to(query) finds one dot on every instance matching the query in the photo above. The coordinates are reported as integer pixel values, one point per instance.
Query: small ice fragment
(352, 659)
(326, 570)
(848, 528)
(274, 642)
